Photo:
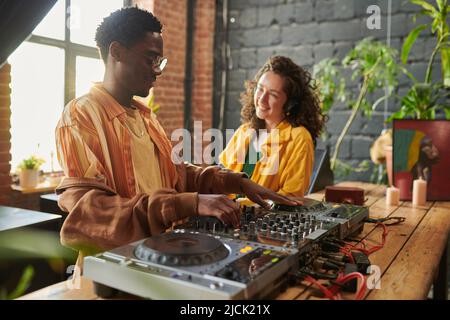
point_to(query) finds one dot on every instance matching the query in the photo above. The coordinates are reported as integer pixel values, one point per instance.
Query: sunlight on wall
(37, 99)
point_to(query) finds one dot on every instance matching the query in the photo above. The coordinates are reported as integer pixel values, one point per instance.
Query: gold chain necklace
(141, 132)
(139, 135)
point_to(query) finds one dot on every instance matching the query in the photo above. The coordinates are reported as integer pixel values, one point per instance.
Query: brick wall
(5, 136)
(309, 31)
(203, 64)
(169, 89)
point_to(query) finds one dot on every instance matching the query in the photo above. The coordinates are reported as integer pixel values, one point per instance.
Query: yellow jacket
(287, 162)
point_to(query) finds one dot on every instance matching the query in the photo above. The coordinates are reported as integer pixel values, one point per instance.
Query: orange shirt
(103, 192)
(93, 141)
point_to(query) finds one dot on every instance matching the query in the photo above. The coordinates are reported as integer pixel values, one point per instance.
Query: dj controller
(205, 259)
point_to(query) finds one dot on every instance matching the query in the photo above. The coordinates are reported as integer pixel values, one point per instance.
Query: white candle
(392, 196)
(419, 192)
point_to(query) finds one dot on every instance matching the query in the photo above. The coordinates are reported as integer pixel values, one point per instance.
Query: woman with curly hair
(282, 119)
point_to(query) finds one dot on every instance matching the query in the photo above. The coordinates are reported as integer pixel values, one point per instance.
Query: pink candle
(404, 186)
(419, 192)
(392, 196)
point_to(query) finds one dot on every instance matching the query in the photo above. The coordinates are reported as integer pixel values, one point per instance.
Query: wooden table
(413, 258)
(16, 218)
(45, 186)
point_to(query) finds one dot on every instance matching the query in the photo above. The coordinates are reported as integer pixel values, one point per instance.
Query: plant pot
(389, 165)
(29, 178)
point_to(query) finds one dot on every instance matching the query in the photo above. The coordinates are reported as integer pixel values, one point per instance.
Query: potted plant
(425, 98)
(29, 171)
(373, 66)
(422, 101)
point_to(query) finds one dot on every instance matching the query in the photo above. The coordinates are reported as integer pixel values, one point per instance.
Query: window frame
(71, 51)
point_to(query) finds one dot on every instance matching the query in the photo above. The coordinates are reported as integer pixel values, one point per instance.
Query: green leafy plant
(343, 169)
(422, 101)
(153, 105)
(439, 27)
(22, 286)
(373, 66)
(33, 163)
(324, 73)
(31, 244)
(379, 175)
(425, 98)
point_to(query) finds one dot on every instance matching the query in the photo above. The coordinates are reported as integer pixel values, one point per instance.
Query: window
(57, 63)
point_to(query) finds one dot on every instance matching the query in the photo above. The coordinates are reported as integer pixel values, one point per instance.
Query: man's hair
(126, 26)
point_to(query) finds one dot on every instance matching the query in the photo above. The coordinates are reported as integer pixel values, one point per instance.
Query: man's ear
(116, 51)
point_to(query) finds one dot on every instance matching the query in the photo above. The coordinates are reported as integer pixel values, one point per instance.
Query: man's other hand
(219, 206)
(257, 194)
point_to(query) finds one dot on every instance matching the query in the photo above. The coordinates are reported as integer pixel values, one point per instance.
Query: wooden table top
(408, 262)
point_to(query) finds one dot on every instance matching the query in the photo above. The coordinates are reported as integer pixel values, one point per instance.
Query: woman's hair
(303, 105)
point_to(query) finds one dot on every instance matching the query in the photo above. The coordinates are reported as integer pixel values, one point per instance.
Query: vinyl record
(181, 249)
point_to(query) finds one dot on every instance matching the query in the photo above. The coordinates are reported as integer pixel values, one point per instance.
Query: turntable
(186, 264)
(179, 249)
(205, 259)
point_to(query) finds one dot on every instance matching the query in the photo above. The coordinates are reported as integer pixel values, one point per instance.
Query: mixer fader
(286, 225)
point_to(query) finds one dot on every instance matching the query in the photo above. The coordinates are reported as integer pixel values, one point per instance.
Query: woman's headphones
(290, 106)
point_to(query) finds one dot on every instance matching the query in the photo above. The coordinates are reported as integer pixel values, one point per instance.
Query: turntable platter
(181, 249)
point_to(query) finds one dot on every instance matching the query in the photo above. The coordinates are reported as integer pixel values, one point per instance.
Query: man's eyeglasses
(159, 62)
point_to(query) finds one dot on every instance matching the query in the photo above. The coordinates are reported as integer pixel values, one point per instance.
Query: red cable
(374, 248)
(346, 251)
(333, 292)
(322, 288)
(362, 288)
